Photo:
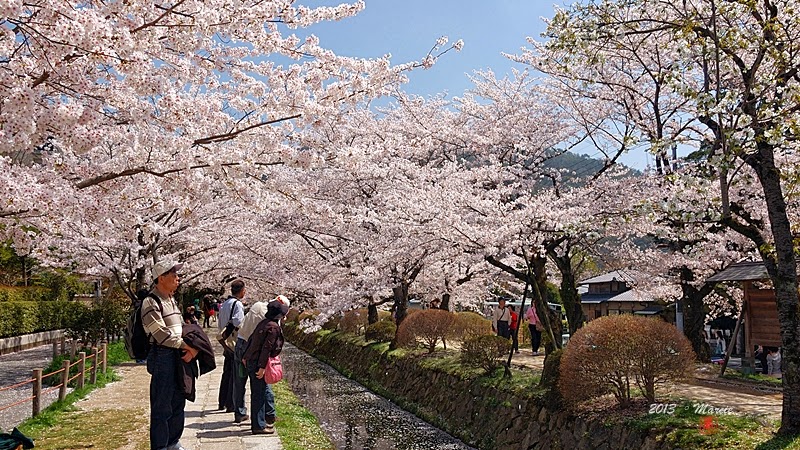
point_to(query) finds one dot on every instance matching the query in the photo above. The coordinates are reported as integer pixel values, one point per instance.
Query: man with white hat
(162, 320)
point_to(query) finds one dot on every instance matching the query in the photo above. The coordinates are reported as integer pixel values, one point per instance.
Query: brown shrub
(293, 315)
(468, 325)
(354, 321)
(309, 314)
(611, 353)
(427, 327)
(381, 331)
(332, 323)
(486, 351)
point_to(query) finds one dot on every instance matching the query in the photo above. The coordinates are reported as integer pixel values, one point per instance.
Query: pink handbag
(274, 370)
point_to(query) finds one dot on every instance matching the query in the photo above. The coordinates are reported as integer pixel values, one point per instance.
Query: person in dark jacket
(203, 363)
(265, 342)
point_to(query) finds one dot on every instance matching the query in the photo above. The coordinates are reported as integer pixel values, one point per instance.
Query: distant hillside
(575, 169)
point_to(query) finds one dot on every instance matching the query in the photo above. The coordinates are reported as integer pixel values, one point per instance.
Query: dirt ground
(130, 393)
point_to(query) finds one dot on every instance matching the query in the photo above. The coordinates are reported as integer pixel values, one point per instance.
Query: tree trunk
(550, 319)
(24, 271)
(694, 314)
(400, 293)
(570, 299)
(400, 302)
(782, 269)
(445, 301)
(372, 313)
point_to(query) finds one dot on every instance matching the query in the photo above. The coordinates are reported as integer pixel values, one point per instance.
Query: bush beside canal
(488, 412)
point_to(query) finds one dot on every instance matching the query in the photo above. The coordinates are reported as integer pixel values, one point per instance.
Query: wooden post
(73, 348)
(104, 366)
(37, 391)
(81, 369)
(93, 373)
(749, 355)
(63, 345)
(62, 391)
(733, 340)
(55, 349)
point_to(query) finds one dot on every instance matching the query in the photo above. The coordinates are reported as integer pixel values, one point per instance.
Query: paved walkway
(206, 427)
(743, 401)
(15, 368)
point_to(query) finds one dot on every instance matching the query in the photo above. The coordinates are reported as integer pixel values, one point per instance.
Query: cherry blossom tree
(736, 67)
(130, 131)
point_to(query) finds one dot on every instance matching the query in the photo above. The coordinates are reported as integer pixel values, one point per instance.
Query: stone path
(742, 401)
(206, 427)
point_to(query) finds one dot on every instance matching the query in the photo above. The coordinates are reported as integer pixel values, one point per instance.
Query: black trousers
(226, 384)
(536, 337)
(503, 329)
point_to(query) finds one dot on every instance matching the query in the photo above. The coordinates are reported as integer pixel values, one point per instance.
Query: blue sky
(407, 29)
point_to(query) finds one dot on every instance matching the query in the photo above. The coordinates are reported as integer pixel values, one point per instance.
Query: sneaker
(267, 430)
(241, 419)
(176, 446)
(535, 353)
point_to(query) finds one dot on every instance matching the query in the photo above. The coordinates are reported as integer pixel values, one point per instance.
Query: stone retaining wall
(26, 341)
(481, 416)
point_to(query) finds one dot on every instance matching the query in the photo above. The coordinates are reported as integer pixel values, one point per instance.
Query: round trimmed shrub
(612, 353)
(427, 327)
(468, 325)
(332, 323)
(293, 315)
(381, 331)
(309, 314)
(485, 351)
(354, 321)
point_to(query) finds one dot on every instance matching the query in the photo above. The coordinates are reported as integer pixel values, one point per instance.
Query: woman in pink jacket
(534, 325)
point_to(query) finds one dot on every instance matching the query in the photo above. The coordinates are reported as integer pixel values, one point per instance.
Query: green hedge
(24, 317)
(25, 294)
(89, 323)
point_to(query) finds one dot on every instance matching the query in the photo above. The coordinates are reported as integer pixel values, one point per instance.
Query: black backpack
(137, 341)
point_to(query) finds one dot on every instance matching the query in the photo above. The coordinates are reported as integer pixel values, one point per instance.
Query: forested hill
(575, 169)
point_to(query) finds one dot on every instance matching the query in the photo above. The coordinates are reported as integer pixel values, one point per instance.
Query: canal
(353, 416)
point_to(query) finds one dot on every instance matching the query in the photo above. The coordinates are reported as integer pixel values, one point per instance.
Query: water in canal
(354, 417)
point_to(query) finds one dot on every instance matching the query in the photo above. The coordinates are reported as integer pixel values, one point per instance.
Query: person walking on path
(501, 318)
(265, 342)
(513, 328)
(161, 319)
(535, 327)
(231, 389)
(208, 311)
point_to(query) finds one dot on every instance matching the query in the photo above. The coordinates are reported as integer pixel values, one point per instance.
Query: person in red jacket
(513, 327)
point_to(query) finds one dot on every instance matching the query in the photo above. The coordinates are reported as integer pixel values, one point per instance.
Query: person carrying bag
(263, 347)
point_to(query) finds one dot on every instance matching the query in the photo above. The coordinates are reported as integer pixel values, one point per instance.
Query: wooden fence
(97, 359)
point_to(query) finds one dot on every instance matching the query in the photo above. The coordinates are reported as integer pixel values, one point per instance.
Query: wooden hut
(759, 308)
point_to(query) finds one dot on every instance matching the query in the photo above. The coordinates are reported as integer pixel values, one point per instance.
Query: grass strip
(296, 426)
(63, 426)
(686, 428)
